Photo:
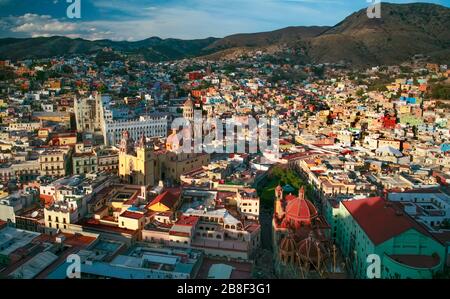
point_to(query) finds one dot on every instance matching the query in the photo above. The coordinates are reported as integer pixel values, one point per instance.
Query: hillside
(264, 39)
(153, 49)
(402, 31)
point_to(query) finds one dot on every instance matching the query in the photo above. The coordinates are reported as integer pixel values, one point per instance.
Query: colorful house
(409, 100)
(389, 122)
(445, 147)
(376, 226)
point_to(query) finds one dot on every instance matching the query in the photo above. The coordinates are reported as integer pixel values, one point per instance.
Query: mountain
(154, 48)
(264, 39)
(402, 31)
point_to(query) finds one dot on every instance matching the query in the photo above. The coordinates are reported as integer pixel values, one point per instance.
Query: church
(301, 236)
(146, 163)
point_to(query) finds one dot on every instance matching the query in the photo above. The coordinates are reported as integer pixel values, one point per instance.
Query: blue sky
(186, 19)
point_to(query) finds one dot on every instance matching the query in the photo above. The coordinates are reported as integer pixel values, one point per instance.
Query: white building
(430, 207)
(153, 125)
(15, 202)
(89, 113)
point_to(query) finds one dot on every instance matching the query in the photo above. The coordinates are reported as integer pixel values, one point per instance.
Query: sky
(133, 20)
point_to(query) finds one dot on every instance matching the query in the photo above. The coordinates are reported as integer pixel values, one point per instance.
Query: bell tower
(279, 209)
(146, 162)
(125, 143)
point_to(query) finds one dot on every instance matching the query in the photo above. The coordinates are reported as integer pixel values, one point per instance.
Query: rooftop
(187, 221)
(12, 239)
(132, 215)
(380, 219)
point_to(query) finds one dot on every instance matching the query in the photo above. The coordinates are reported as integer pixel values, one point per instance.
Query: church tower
(279, 209)
(145, 162)
(126, 143)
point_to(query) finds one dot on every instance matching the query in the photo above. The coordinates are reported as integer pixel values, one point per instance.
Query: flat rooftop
(12, 239)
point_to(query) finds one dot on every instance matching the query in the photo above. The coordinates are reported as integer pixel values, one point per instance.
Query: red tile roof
(299, 210)
(78, 240)
(187, 220)
(47, 199)
(132, 215)
(380, 219)
(167, 198)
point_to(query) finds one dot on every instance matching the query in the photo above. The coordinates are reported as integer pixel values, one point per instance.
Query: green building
(411, 120)
(374, 226)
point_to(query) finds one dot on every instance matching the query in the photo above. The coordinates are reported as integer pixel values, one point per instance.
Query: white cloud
(34, 25)
(203, 18)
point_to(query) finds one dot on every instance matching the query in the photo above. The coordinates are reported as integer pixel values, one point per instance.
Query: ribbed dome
(300, 210)
(309, 247)
(288, 244)
(311, 250)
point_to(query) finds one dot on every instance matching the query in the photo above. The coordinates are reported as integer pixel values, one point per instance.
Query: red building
(195, 76)
(389, 122)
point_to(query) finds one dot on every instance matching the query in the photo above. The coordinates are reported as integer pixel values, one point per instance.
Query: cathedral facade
(141, 164)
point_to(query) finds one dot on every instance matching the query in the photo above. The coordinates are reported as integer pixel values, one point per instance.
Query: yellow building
(83, 163)
(64, 139)
(3, 103)
(54, 163)
(44, 133)
(141, 165)
(5, 146)
(132, 220)
(29, 127)
(137, 165)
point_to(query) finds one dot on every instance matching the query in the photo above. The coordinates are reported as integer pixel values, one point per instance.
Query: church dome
(288, 250)
(173, 142)
(288, 244)
(299, 210)
(312, 251)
